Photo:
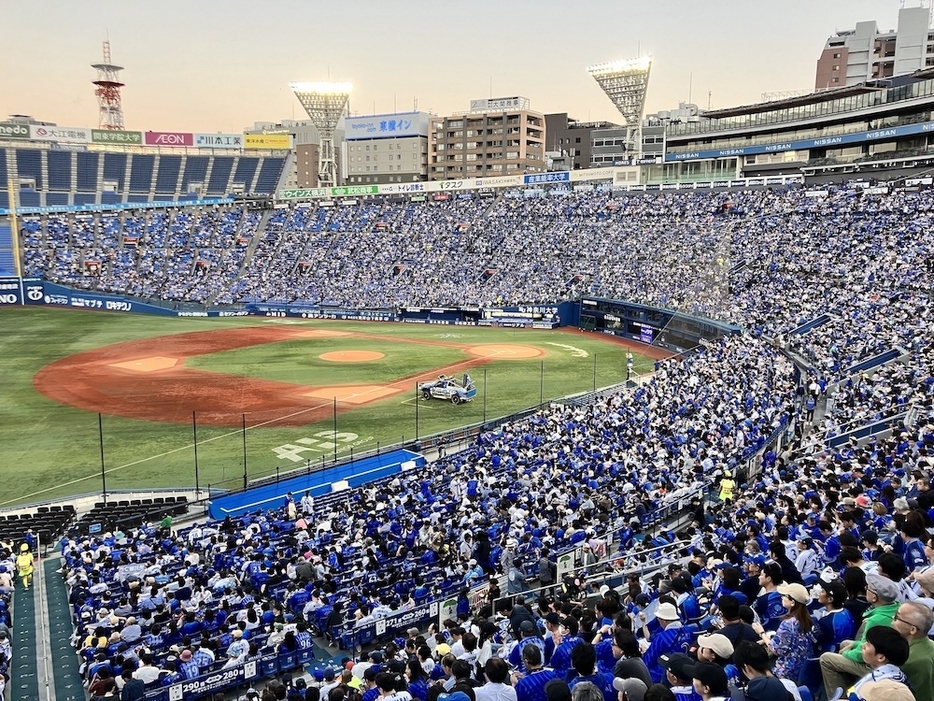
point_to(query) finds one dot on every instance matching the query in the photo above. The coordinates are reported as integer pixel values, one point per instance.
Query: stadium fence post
(194, 431)
(416, 412)
(335, 429)
(484, 395)
(100, 435)
(243, 425)
(541, 386)
(594, 372)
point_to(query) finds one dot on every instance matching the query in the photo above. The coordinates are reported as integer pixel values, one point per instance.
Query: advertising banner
(61, 135)
(116, 136)
(565, 564)
(386, 125)
(540, 178)
(806, 144)
(219, 140)
(169, 138)
(210, 683)
(401, 620)
(270, 141)
(9, 130)
(119, 205)
(10, 291)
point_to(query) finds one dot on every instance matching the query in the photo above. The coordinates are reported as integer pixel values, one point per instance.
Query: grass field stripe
(190, 446)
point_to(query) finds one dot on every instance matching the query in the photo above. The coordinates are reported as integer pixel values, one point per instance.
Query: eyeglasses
(907, 623)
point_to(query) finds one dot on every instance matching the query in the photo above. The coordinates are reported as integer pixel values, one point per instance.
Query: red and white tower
(108, 92)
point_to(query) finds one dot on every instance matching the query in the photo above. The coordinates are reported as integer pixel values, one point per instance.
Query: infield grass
(48, 450)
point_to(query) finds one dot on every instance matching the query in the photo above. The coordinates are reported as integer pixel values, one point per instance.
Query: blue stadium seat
(141, 169)
(115, 169)
(167, 178)
(29, 165)
(87, 163)
(220, 174)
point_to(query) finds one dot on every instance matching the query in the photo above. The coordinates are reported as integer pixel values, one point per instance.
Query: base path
(148, 379)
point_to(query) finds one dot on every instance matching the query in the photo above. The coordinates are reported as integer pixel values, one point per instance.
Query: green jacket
(875, 616)
(920, 668)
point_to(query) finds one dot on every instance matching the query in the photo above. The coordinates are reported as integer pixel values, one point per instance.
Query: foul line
(78, 480)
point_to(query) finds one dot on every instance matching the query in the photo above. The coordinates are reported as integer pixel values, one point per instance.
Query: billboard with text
(61, 135)
(386, 126)
(270, 141)
(116, 136)
(219, 140)
(12, 130)
(169, 138)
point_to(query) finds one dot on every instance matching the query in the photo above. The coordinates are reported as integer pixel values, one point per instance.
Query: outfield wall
(637, 322)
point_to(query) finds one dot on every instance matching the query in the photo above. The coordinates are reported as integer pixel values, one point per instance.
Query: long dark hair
(801, 614)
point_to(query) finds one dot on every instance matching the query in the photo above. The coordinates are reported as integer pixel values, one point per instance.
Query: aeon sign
(168, 138)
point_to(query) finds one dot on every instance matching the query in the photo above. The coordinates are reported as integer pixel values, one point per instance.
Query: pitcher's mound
(152, 364)
(505, 352)
(350, 356)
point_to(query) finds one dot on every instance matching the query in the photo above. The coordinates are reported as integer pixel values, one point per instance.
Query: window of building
(835, 79)
(836, 68)
(577, 140)
(837, 55)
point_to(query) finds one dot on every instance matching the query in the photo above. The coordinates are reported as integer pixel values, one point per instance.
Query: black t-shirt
(633, 668)
(737, 632)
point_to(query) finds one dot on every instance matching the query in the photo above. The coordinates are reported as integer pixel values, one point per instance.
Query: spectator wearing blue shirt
(584, 661)
(530, 686)
(769, 605)
(677, 672)
(561, 659)
(671, 639)
(914, 556)
(832, 622)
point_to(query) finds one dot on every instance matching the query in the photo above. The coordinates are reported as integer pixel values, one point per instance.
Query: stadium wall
(669, 329)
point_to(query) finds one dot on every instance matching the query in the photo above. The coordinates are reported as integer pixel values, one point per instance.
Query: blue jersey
(515, 655)
(602, 681)
(914, 555)
(832, 629)
(532, 686)
(561, 659)
(771, 610)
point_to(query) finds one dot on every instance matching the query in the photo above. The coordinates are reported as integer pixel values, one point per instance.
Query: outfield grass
(48, 450)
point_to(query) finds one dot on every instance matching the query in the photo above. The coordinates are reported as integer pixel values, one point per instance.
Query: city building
(498, 136)
(387, 148)
(302, 169)
(569, 141)
(856, 55)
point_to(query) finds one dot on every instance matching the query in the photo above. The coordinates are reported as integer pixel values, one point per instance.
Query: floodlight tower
(108, 92)
(325, 104)
(626, 83)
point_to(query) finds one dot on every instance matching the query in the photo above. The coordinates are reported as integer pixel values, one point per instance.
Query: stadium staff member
(727, 485)
(24, 565)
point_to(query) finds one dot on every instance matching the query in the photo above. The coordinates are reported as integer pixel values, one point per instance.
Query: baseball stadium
(657, 427)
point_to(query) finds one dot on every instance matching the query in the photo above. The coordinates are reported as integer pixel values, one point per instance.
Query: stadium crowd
(810, 568)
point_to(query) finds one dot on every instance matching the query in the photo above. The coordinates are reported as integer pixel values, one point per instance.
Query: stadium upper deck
(844, 127)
